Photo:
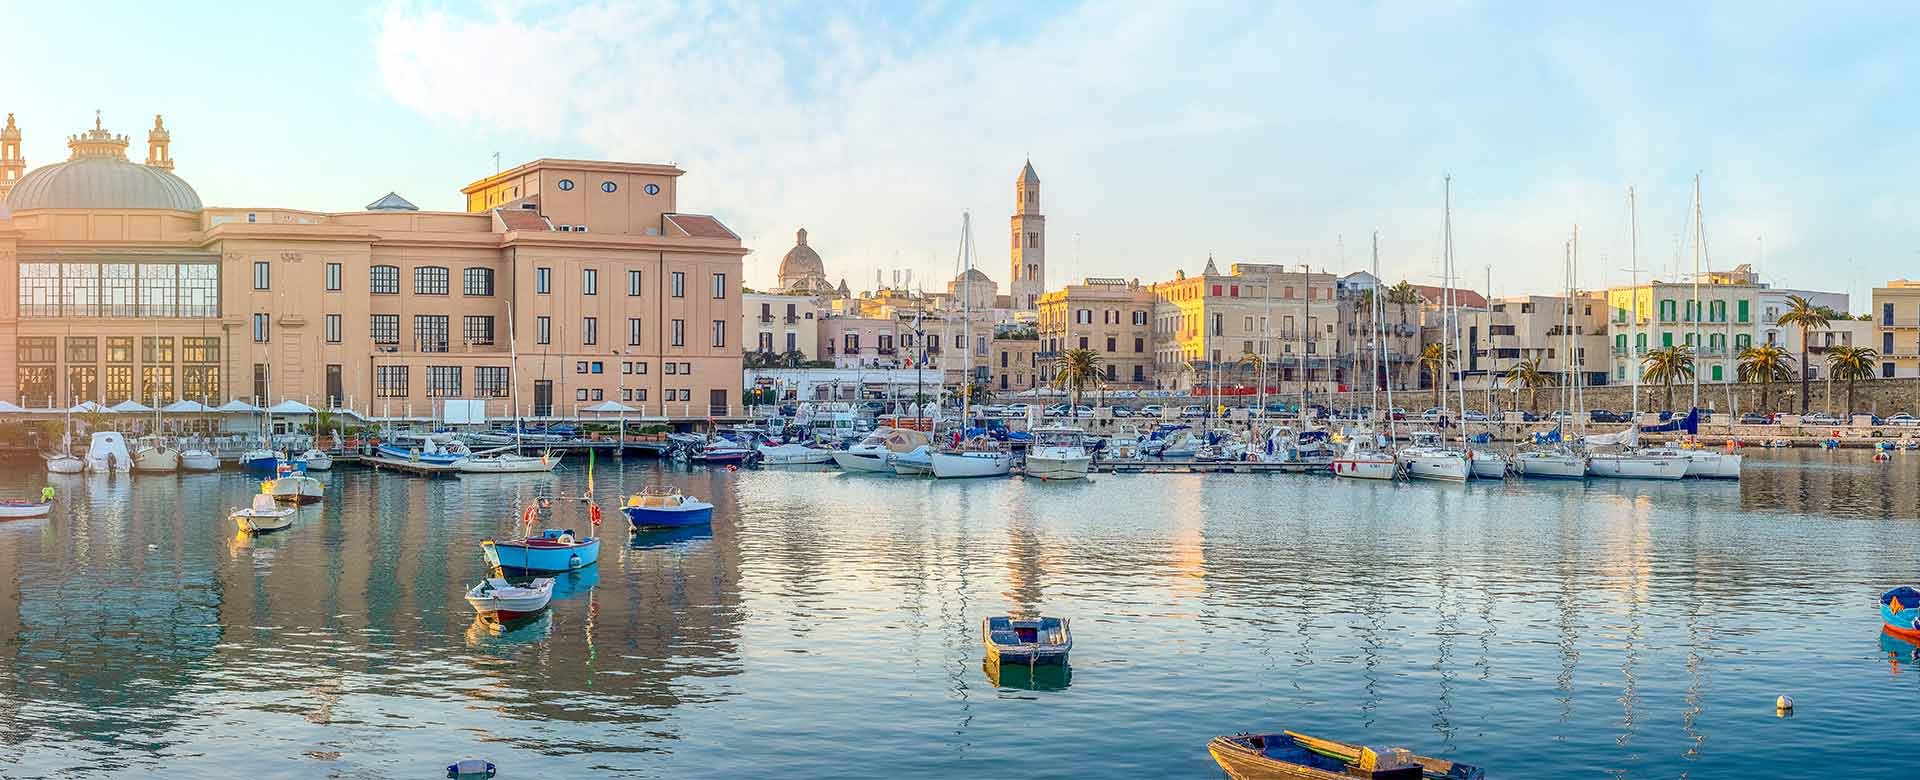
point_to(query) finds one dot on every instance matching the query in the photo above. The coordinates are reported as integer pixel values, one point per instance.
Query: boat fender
(593, 512)
(573, 562)
(566, 539)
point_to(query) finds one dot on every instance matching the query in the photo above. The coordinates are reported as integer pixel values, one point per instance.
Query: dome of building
(801, 263)
(99, 176)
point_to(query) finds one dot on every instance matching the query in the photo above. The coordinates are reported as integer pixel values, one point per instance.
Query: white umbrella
(184, 407)
(10, 408)
(609, 407)
(237, 406)
(291, 406)
(88, 406)
(130, 406)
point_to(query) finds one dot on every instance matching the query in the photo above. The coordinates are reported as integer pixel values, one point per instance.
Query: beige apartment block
(1896, 316)
(1205, 325)
(1015, 364)
(1564, 337)
(1113, 317)
(780, 324)
(119, 283)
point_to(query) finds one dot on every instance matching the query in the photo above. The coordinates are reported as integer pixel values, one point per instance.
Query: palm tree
(1527, 374)
(1076, 370)
(1765, 364)
(1434, 358)
(324, 421)
(1669, 365)
(793, 358)
(1805, 314)
(1403, 293)
(95, 419)
(1254, 364)
(1851, 363)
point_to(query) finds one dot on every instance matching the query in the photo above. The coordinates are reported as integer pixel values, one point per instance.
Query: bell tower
(12, 165)
(1029, 277)
(157, 141)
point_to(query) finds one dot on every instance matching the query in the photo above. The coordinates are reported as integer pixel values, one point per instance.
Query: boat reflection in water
(578, 582)
(668, 537)
(486, 631)
(1042, 677)
(1898, 650)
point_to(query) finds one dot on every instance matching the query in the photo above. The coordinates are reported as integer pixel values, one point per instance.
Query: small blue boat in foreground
(1900, 611)
(550, 551)
(1032, 641)
(662, 506)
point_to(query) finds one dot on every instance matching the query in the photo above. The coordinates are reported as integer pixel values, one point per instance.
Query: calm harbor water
(827, 626)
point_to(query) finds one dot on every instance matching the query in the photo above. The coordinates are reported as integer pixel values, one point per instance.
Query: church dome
(801, 262)
(99, 176)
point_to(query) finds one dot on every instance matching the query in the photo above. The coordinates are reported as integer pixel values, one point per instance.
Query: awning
(130, 406)
(89, 406)
(237, 406)
(184, 407)
(609, 407)
(291, 406)
(9, 408)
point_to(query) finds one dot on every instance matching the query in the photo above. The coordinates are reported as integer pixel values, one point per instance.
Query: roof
(1027, 176)
(392, 202)
(801, 263)
(102, 183)
(522, 219)
(1436, 295)
(975, 274)
(700, 226)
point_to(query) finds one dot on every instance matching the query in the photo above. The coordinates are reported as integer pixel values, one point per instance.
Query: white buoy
(1783, 703)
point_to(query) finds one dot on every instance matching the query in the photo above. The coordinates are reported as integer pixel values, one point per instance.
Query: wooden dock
(1196, 467)
(414, 467)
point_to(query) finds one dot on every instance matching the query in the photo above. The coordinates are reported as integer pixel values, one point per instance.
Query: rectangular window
(633, 332)
(36, 349)
(793, 341)
(119, 384)
(719, 286)
(333, 328)
(589, 281)
(543, 330)
(80, 349)
(633, 283)
(1140, 345)
(201, 383)
(543, 280)
(679, 284)
(491, 381)
(477, 329)
(385, 328)
(118, 290)
(477, 281)
(261, 328)
(719, 333)
(670, 368)
(430, 332)
(430, 280)
(390, 381)
(333, 277)
(262, 276)
(383, 280)
(640, 368)
(679, 333)
(262, 374)
(443, 381)
(83, 382)
(598, 367)
(156, 384)
(1741, 314)
(589, 330)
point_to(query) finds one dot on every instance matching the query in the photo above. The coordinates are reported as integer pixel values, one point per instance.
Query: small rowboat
(1291, 756)
(263, 516)
(551, 551)
(21, 510)
(497, 598)
(662, 506)
(1030, 641)
(1900, 611)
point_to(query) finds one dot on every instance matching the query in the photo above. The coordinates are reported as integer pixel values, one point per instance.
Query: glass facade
(124, 290)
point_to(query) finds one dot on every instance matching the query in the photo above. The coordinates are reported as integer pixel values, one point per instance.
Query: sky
(1164, 133)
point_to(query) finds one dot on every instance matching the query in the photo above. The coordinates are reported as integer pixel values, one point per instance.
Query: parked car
(1398, 413)
(1872, 419)
(1014, 410)
(1152, 410)
(1120, 411)
(1819, 418)
(1755, 418)
(1606, 416)
(1526, 416)
(1193, 410)
(1432, 414)
(1083, 410)
(1561, 415)
(1903, 419)
(1473, 416)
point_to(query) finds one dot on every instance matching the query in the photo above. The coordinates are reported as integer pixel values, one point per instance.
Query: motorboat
(497, 598)
(107, 452)
(1171, 442)
(1557, 463)
(1221, 445)
(1636, 465)
(1365, 458)
(22, 510)
(260, 460)
(291, 485)
(265, 515)
(917, 462)
(316, 459)
(875, 452)
(720, 449)
(979, 457)
(510, 463)
(1058, 452)
(152, 455)
(1428, 458)
(793, 454)
(547, 551)
(1706, 464)
(1028, 641)
(829, 421)
(1123, 444)
(663, 506)
(1301, 451)
(1294, 756)
(195, 459)
(1487, 464)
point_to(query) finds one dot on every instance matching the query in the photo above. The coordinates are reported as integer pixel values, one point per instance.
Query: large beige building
(1659, 314)
(1203, 326)
(1896, 315)
(118, 283)
(1564, 337)
(1113, 317)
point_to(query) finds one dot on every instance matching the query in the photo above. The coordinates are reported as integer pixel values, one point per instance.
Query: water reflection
(1049, 677)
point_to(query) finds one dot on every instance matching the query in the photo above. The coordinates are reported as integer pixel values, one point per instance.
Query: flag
(589, 472)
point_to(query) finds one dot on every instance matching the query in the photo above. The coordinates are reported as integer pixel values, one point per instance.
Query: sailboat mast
(966, 319)
(1579, 407)
(1696, 289)
(1459, 341)
(1380, 346)
(1633, 303)
(513, 383)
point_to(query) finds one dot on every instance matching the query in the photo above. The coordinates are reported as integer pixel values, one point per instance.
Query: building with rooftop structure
(1112, 317)
(1205, 325)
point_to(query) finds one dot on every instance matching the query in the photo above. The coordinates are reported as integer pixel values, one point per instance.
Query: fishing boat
(979, 457)
(1032, 640)
(21, 510)
(195, 459)
(265, 515)
(1293, 756)
(1900, 612)
(663, 506)
(152, 455)
(315, 459)
(916, 462)
(549, 551)
(792, 454)
(502, 600)
(1365, 459)
(875, 452)
(1058, 452)
(291, 485)
(107, 452)
(1557, 463)
(1427, 458)
(260, 460)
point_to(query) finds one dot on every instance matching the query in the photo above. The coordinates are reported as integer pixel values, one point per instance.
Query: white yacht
(196, 459)
(1487, 464)
(976, 458)
(152, 455)
(1428, 458)
(316, 459)
(1707, 464)
(1058, 452)
(875, 452)
(1365, 458)
(510, 463)
(1561, 463)
(1298, 452)
(1636, 465)
(792, 454)
(293, 486)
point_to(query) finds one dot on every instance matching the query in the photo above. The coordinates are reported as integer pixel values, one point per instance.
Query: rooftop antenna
(496, 163)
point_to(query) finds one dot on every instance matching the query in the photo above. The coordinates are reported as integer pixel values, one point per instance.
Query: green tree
(1403, 293)
(1804, 314)
(1669, 365)
(1434, 359)
(1527, 374)
(1075, 370)
(1851, 364)
(1765, 364)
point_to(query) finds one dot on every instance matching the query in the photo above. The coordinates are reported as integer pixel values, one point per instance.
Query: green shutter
(1620, 342)
(1666, 338)
(1743, 311)
(1716, 373)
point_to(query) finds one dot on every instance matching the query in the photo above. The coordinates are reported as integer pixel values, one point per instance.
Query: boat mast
(1633, 315)
(966, 319)
(1380, 307)
(1306, 342)
(1696, 290)
(1459, 343)
(513, 385)
(1579, 407)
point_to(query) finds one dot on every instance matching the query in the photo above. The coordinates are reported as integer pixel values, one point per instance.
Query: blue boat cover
(1909, 598)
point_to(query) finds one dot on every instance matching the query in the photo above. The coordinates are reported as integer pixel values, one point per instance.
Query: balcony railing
(766, 318)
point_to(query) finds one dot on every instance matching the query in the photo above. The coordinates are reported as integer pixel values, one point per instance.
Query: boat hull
(416, 456)
(1058, 467)
(316, 460)
(1551, 467)
(1636, 467)
(1051, 644)
(1364, 468)
(157, 460)
(199, 460)
(65, 464)
(509, 464)
(260, 462)
(1713, 465)
(1291, 756)
(870, 462)
(967, 465)
(668, 517)
(253, 522)
(22, 510)
(1486, 465)
(298, 490)
(522, 556)
(512, 602)
(793, 455)
(1443, 468)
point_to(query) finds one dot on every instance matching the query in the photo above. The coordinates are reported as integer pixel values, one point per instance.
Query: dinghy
(21, 510)
(550, 551)
(265, 515)
(1900, 611)
(502, 600)
(1030, 641)
(291, 485)
(662, 506)
(316, 460)
(1291, 756)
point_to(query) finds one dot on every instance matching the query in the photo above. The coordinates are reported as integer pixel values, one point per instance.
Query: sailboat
(1428, 457)
(1366, 457)
(1559, 461)
(64, 461)
(198, 458)
(502, 461)
(975, 457)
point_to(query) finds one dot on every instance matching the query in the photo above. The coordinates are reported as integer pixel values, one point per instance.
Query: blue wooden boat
(1900, 611)
(1293, 756)
(1031, 641)
(260, 461)
(662, 506)
(550, 551)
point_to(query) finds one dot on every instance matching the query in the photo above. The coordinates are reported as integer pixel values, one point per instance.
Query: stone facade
(1113, 317)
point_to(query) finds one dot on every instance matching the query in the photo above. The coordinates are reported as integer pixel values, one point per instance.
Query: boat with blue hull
(551, 551)
(663, 506)
(1900, 611)
(261, 461)
(1031, 641)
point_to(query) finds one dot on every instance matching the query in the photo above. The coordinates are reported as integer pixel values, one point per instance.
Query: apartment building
(1112, 317)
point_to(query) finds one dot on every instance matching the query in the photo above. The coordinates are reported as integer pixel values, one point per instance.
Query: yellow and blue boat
(1031, 641)
(1290, 755)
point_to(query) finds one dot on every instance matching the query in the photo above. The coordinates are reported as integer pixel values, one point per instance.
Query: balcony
(883, 350)
(850, 351)
(1898, 322)
(766, 318)
(791, 319)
